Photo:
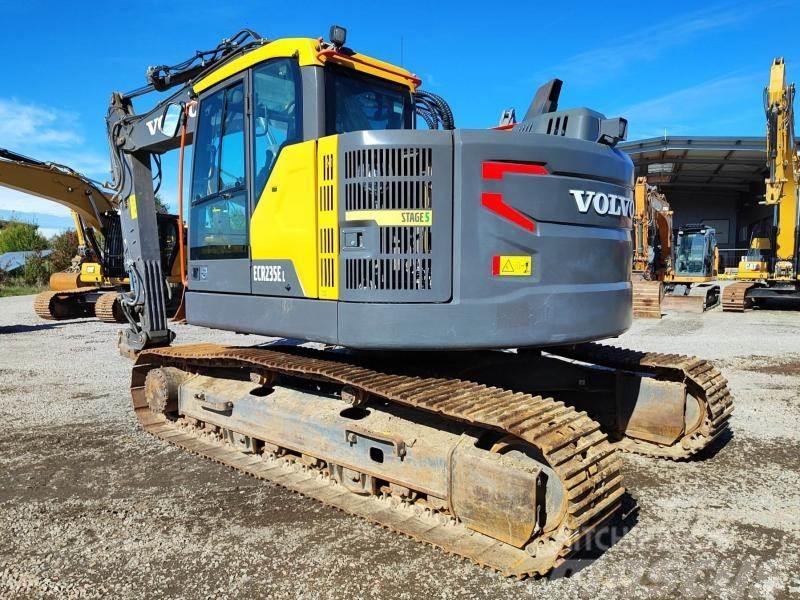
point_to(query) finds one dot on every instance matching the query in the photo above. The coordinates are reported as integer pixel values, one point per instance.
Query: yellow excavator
(89, 286)
(769, 270)
(670, 274)
(652, 255)
(416, 257)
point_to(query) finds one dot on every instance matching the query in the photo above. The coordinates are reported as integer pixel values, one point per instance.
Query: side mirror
(171, 119)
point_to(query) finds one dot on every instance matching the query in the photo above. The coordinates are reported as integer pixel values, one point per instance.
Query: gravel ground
(92, 507)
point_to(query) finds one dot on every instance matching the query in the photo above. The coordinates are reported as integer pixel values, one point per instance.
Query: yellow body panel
(307, 51)
(284, 223)
(672, 278)
(91, 273)
(752, 269)
(328, 218)
(373, 66)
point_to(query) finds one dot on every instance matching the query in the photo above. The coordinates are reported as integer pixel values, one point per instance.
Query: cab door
(283, 228)
(219, 247)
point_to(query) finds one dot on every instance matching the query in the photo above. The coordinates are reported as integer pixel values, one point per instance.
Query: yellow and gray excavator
(454, 280)
(89, 286)
(769, 270)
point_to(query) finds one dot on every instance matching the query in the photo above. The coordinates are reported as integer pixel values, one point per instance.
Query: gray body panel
(275, 277)
(230, 275)
(579, 289)
(297, 318)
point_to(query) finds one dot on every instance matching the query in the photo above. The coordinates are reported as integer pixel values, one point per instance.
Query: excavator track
(62, 304)
(734, 297)
(647, 299)
(570, 442)
(108, 309)
(703, 381)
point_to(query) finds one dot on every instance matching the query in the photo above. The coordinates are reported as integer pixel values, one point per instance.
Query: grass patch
(19, 290)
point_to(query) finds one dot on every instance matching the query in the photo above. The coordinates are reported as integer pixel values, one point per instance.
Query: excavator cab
(695, 250)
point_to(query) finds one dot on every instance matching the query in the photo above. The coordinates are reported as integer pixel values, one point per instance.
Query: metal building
(718, 181)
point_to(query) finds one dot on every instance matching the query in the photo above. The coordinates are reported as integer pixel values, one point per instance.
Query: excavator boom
(58, 183)
(770, 271)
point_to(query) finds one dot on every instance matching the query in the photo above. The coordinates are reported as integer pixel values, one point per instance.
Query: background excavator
(319, 211)
(690, 284)
(769, 270)
(652, 254)
(89, 287)
(670, 273)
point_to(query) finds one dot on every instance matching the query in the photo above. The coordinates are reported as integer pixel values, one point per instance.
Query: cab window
(219, 228)
(219, 147)
(277, 115)
(219, 200)
(358, 102)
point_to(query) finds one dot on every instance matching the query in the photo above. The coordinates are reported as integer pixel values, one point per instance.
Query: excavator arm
(652, 226)
(782, 160)
(135, 143)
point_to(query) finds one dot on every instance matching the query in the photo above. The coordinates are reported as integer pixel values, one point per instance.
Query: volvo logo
(603, 204)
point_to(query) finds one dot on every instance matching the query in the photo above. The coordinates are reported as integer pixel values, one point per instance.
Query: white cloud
(28, 125)
(699, 109)
(48, 134)
(18, 201)
(646, 43)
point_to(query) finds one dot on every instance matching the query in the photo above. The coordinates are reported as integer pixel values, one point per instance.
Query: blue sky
(692, 68)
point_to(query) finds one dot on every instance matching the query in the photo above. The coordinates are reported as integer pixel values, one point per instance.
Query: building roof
(11, 261)
(721, 164)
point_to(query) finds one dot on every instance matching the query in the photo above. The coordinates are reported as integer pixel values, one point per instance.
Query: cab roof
(309, 51)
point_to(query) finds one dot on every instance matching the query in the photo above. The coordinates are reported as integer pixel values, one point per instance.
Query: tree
(18, 236)
(65, 247)
(37, 270)
(161, 206)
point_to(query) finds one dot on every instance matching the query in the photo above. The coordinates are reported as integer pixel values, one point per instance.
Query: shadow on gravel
(602, 540)
(714, 447)
(40, 327)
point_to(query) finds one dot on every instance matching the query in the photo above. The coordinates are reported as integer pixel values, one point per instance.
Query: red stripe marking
(495, 265)
(496, 170)
(496, 204)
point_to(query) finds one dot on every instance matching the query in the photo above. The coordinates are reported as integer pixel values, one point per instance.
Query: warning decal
(512, 266)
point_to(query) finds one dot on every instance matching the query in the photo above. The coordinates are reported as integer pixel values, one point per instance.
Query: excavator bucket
(65, 280)
(697, 299)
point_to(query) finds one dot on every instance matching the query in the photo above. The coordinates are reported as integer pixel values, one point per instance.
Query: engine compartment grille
(388, 274)
(391, 179)
(388, 179)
